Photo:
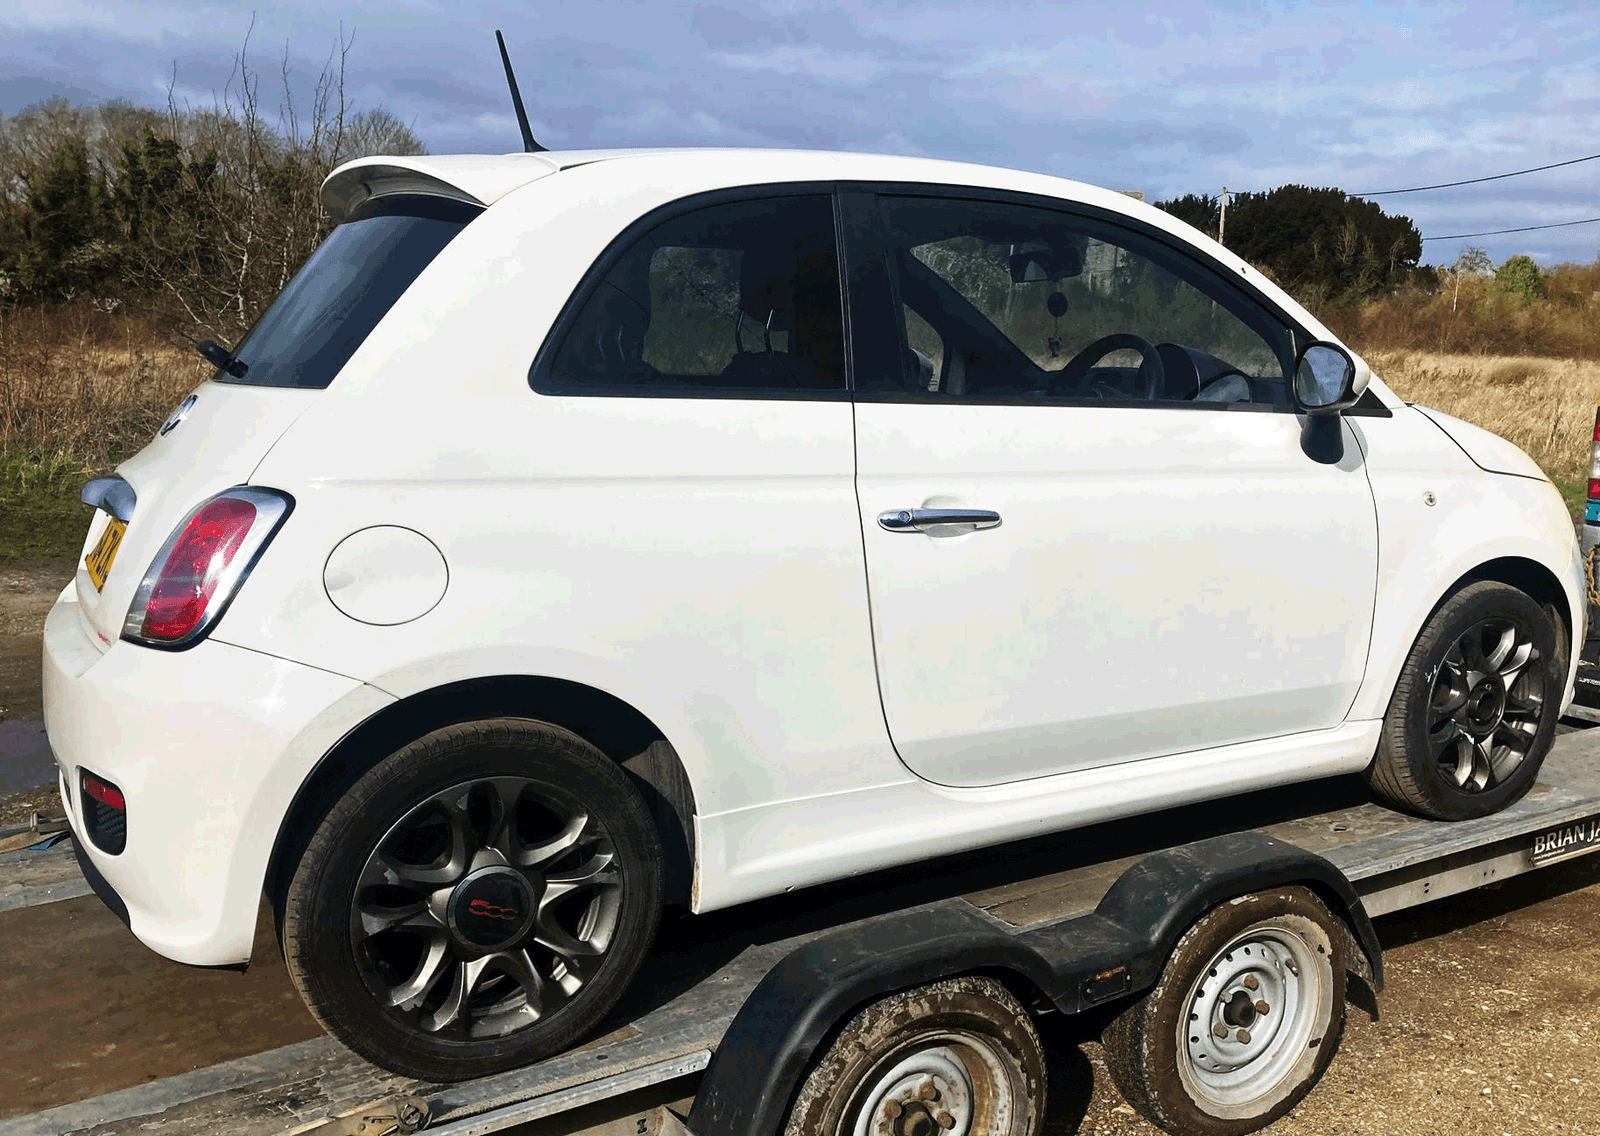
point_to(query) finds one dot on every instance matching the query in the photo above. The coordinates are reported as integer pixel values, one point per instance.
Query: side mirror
(1328, 379)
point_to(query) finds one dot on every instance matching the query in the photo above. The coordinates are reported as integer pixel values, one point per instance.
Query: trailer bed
(704, 967)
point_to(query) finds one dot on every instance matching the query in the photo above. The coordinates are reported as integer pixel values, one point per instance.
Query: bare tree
(1473, 261)
(251, 192)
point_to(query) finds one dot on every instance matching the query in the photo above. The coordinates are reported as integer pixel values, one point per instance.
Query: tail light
(194, 577)
(1591, 512)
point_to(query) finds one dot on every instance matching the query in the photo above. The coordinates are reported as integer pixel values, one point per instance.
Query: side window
(737, 297)
(1030, 303)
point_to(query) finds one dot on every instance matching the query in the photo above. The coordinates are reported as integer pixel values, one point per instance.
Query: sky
(1168, 99)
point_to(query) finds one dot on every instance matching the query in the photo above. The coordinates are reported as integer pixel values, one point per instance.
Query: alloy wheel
(1486, 705)
(486, 907)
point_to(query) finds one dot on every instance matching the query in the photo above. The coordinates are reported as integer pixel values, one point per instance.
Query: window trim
(541, 377)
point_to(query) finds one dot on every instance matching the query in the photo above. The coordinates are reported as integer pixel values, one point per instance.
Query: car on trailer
(584, 532)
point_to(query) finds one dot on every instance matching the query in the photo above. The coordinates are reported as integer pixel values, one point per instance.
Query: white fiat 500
(580, 533)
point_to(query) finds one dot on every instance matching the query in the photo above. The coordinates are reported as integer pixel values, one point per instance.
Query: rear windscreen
(344, 289)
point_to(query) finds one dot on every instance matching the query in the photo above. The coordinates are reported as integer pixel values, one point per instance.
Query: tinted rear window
(344, 289)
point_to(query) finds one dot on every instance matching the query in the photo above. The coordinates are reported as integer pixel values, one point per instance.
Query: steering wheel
(1077, 368)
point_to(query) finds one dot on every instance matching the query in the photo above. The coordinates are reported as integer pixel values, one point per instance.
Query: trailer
(1214, 944)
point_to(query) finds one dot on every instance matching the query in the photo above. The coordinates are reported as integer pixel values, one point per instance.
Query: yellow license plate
(99, 561)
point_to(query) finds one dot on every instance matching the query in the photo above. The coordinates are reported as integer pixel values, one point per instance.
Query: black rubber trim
(1116, 950)
(101, 886)
(1368, 406)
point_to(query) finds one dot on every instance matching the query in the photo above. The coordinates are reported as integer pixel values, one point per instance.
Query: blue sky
(1166, 98)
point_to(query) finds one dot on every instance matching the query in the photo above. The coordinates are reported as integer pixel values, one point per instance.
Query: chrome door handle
(921, 520)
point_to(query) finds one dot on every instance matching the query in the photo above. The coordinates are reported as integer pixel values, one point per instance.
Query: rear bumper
(101, 886)
(208, 746)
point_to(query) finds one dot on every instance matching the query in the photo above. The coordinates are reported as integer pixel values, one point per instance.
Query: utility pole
(1222, 227)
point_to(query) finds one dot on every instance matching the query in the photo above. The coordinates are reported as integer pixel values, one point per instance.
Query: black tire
(478, 900)
(963, 1047)
(1279, 949)
(1475, 709)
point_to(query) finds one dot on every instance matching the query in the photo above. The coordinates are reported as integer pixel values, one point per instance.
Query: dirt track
(1490, 1024)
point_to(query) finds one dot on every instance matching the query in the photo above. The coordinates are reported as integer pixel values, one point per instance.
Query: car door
(1091, 533)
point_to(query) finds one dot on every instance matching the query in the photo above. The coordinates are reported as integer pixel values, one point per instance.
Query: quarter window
(742, 296)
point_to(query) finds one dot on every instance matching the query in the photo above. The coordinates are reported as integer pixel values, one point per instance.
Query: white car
(584, 532)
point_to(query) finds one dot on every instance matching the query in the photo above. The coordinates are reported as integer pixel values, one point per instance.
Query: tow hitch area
(395, 1116)
(40, 832)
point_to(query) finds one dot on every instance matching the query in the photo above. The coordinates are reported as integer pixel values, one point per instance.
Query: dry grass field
(1545, 406)
(86, 384)
(80, 389)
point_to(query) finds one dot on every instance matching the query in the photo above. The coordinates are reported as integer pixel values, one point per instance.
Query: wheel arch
(1534, 580)
(612, 725)
(1408, 616)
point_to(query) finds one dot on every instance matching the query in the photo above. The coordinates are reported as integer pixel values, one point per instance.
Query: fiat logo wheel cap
(491, 908)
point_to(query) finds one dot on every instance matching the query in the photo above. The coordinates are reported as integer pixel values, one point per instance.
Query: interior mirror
(1327, 379)
(1043, 262)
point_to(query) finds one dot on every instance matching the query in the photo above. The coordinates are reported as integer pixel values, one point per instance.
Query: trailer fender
(763, 1057)
(1161, 896)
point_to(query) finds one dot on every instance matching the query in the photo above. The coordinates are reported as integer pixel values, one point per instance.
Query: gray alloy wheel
(486, 907)
(478, 900)
(1476, 706)
(1482, 718)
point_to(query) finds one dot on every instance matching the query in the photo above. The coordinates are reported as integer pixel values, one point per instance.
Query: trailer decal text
(1568, 840)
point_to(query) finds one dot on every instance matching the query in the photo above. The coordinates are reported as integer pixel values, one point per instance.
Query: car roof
(485, 178)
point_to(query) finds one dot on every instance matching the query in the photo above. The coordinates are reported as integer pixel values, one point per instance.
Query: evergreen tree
(1520, 278)
(1319, 244)
(65, 249)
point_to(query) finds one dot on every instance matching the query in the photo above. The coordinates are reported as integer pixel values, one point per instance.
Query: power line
(1474, 181)
(1524, 229)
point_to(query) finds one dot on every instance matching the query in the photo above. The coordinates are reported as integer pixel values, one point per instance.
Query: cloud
(851, 68)
(22, 91)
(442, 92)
(724, 27)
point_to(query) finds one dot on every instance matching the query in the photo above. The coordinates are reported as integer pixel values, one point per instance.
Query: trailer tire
(1475, 709)
(959, 1056)
(1281, 949)
(479, 899)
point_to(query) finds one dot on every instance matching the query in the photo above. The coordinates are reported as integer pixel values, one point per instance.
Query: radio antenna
(528, 144)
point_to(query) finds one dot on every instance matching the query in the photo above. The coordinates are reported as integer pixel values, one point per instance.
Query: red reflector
(104, 793)
(195, 567)
(1594, 489)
